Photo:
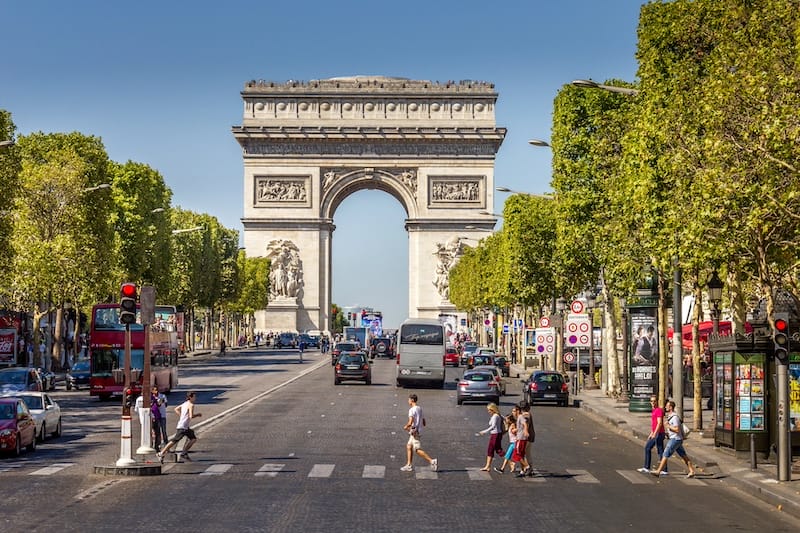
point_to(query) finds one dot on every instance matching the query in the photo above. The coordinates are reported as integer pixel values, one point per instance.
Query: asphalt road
(312, 456)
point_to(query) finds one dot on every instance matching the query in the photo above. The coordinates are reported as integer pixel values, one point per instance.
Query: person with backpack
(674, 427)
(495, 430)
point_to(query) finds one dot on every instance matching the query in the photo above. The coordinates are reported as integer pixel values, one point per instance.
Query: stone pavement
(717, 462)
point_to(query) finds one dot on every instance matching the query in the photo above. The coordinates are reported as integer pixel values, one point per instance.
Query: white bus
(420, 352)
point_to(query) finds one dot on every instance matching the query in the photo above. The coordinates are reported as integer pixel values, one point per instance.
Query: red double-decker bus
(107, 350)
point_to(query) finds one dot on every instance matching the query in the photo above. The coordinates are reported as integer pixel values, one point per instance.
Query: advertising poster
(8, 346)
(643, 354)
(794, 396)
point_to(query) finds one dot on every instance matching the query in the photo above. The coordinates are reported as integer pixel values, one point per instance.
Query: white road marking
(636, 477)
(50, 470)
(217, 469)
(269, 470)
(374, 471)
(475, 474)
(582, 476)
(321, 471)
(425, 473)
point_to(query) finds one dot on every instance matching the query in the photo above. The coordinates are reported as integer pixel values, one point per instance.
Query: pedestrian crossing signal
(780, 340)
(127, 303)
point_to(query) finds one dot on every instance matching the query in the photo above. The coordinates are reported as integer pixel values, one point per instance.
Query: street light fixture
(97, 187)
(5, 143)
(538, 142)
(715, 286)
(537, 195)
(589, 84)
(157, 210)
(187, 230)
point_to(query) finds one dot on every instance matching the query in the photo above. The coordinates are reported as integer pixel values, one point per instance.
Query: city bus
(107, 350)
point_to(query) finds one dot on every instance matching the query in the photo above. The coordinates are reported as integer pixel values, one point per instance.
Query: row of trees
(697, 170)
(74, 225)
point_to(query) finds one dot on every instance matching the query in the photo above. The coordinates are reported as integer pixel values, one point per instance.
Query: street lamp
(5, 143)
(538, 142)
(97, 187)
(187, 230)
(561, 305)
(512, 191)
(590, 302)
(589, 84)
(157, 210)
(715, 286)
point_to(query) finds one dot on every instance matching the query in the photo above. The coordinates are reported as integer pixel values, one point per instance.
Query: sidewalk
(715, 463)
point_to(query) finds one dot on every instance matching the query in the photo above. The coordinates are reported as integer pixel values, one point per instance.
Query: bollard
(753, 463)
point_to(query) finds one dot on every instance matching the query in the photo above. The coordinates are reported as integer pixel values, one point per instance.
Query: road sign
(569, 357)
(544, 321)
(577, 330)
(576, 307)
(545, 341)
(505, 328)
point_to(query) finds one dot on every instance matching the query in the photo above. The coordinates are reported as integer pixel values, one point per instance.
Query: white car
(46, 413)
(501, 385)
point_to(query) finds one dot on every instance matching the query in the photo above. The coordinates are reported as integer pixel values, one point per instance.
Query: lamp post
(561, 305)
(589, 84)
(623, 394)
(590, 303)
(715, 286)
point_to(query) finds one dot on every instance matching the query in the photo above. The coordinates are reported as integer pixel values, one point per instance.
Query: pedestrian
(222, 346)
(514, 354)
(495, 431)
(511, 429)
(655, 438)
(416, 421)
(185, 412)
(158, 409)
(301, 347)
(526, 412)
(521, 446)
(674, 427)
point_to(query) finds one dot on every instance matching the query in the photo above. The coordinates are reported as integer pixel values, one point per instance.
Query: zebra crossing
(422, 473)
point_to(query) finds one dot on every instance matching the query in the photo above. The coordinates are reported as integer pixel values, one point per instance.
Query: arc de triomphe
(308, 145)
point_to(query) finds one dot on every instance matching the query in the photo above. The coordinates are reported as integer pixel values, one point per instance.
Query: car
(381, 347)
(310, 340)
(546, 386)
(17, 427)
(467, 349)
(286, 340)
(18, 379)
(451, 356)
(48, 379)
(501, 385)
(78, 375)
(481, 358)
(501, 362)
(45, 412)
(477, 386)
(352, 366)
(341, 347)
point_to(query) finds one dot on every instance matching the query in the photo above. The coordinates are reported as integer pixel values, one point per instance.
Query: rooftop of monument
(371, 84)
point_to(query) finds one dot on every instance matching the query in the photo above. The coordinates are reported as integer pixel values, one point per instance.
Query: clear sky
(160, 81)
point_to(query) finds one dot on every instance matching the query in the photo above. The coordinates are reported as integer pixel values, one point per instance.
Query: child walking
(511, 427)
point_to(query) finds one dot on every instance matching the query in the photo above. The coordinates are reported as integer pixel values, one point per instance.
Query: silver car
(477, 386)
(46, 413)
(501, 385)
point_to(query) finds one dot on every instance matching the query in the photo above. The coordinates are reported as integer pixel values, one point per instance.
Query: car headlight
(6, 433)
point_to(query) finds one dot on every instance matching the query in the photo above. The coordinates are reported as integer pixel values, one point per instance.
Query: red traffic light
(128, 290)
(781, 325)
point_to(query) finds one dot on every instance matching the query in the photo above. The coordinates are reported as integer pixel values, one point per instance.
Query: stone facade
(309, 145)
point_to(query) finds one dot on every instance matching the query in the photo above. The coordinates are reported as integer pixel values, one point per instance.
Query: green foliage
(9, 170)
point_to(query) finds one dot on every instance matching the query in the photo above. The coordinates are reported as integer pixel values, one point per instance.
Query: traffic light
(780, 338)
(349, 316)
(127, 397)
(127, 303)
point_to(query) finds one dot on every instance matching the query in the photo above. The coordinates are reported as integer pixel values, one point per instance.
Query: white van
(420, 352)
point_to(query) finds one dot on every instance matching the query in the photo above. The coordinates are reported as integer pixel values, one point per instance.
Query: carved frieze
(255, 147)
(406, 176)
(457, 191)
(292, 190)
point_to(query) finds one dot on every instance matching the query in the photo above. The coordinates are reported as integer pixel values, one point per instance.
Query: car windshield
(346, 346)
(7, 411)
(13, 378)
(422, 334)
(82, 366)
(549, 378)
(349, 359)
(480, 376)
(33, 402)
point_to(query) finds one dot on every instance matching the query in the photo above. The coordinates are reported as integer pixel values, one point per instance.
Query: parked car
(467, 349)
(501, 362)
(352, 366)
(477, 386)
(78, 375)
(451, 356)
(382, 347)
(546, 386)
(501, 385)
(17, 427)
(48, 379)
(286, 340)
(310, 340)
(341, 347)
(19, 379)
(481, 359)
(46, 413)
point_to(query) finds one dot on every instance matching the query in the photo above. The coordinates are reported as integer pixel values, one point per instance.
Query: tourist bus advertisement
(107, 351)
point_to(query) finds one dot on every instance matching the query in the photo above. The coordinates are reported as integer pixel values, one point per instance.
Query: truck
(362, 335)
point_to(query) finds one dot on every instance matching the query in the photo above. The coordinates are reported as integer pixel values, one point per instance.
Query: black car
(342, 347)
(78, 375)
(381, 347)
(546, 386)
(352, 366)
(502, 364)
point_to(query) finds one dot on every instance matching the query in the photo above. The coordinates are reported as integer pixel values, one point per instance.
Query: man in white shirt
(185, 412)
(416, 421)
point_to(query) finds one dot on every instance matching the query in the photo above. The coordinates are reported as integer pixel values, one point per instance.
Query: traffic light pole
(784, 442)
(125, 457)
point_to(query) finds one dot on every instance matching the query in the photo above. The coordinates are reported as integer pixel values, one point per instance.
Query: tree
(9, 170)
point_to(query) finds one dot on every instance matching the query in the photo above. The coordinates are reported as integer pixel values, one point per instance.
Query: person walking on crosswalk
(416, 421)
(185, 412)
(674, 427)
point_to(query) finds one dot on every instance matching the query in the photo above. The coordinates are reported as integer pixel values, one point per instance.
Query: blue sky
(159, 82)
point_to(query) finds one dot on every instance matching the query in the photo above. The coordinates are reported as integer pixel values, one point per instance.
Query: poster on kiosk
(643, 357)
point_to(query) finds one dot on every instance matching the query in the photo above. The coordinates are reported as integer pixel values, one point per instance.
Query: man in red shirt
(656, 437)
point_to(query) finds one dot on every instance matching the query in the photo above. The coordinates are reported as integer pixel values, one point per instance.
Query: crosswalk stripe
(537, 478)
(52, 469)
(216, 470)
(692, 481)
(636, 477)
(374, 471)
(582, 476)
(321, 471)
(269, 470)
(424, 473)
(476, 474)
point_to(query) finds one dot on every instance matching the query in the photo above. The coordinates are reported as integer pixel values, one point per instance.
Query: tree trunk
(697, 374)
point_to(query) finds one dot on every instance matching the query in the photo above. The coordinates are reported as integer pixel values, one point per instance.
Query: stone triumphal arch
(308, 145)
